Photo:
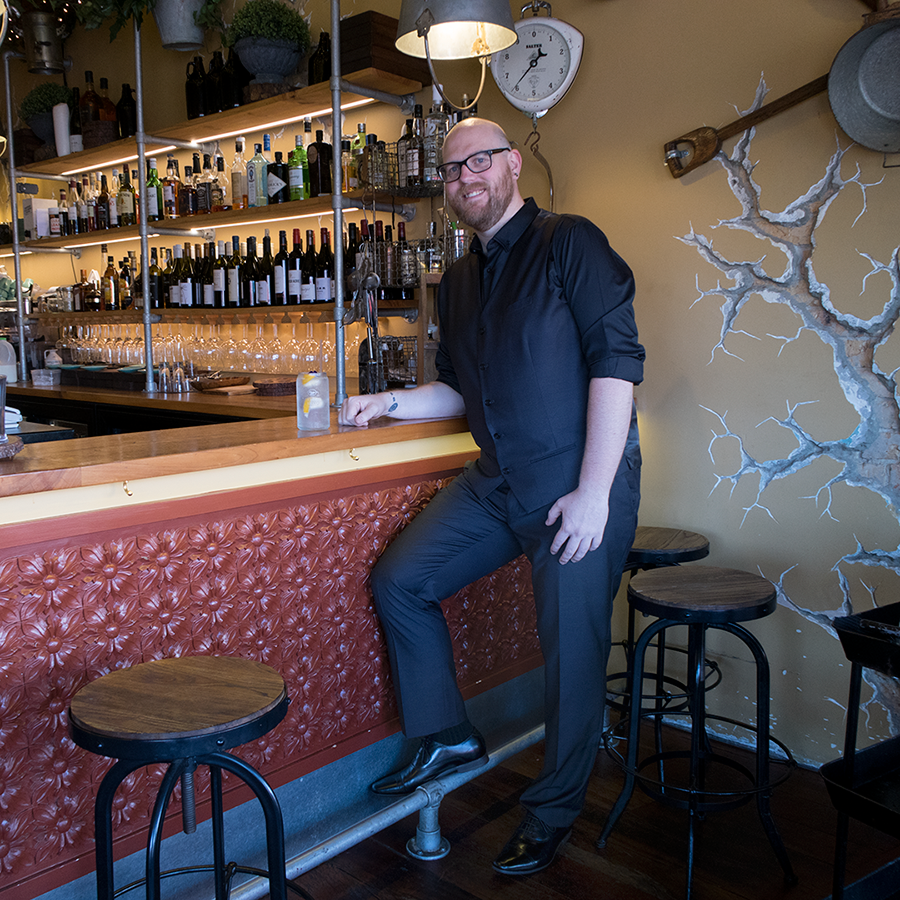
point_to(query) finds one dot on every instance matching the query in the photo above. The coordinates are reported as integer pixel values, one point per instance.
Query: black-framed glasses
(477, 162)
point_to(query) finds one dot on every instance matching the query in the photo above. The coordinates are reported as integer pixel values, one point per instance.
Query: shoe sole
(534, 869)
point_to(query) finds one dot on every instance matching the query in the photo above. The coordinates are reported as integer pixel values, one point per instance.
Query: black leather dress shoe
(433, 760)
(532, 847)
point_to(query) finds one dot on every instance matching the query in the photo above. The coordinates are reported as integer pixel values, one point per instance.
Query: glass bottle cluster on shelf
(251, 274)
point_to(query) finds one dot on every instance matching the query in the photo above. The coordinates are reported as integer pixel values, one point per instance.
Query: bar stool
(655, 547)
(700, 597)
(187, 712)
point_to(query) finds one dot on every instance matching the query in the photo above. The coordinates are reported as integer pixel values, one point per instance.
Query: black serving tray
(864, 645)
(873, 796)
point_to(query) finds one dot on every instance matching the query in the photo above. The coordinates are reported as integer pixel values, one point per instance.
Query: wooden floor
(644, 858)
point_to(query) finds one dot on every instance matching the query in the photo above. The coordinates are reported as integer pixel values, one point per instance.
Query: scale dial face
(535, 73)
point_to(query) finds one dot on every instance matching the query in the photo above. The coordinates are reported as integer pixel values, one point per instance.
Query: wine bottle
(108, 108)
(109, 285)
(90, 104)
(325, 270)
(171, 189)
(175, 278)
(125, 201)
(126, 285)
(320, 61)
(265, 274)
(295, 271)
(207, 281)
(415, 151)
(233, 273)
(103, 205)
(115, 185)
(220, 278)
(308, 283)
(156, 281)
(154, 193)
(250, 276)
(281, 266)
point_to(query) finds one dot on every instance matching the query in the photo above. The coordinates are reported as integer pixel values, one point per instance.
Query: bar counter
(246, 539)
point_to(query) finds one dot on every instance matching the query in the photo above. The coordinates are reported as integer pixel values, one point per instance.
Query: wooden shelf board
(251, 117)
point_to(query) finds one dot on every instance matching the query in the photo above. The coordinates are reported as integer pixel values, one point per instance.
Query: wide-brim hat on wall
(864, 86)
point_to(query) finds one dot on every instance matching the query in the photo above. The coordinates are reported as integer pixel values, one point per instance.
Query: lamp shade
(457, 29)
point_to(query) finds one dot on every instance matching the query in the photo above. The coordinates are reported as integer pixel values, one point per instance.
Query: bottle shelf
(258, 116)
(193, 225)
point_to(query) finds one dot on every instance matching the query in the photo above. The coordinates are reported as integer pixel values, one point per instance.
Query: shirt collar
(507, 236)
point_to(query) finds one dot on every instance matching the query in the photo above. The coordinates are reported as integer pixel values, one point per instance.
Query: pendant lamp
(455, 29)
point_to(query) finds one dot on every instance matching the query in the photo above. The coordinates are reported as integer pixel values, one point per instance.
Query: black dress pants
(459, 538)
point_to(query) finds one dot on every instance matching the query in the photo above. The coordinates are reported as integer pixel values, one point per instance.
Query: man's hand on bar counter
(428, 401)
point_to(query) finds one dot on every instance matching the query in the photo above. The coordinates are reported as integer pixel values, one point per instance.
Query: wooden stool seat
(702, 594)
(169, 708)
(654, 546)
(186, 711)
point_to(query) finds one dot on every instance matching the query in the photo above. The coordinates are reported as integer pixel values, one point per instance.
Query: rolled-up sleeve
(599, 287)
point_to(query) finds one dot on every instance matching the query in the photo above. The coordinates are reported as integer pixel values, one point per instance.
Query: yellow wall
(651, 71)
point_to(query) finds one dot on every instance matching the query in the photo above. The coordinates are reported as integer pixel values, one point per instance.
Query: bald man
(538, 348)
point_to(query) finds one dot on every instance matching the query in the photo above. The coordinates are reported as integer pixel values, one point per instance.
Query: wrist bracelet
(393, 405)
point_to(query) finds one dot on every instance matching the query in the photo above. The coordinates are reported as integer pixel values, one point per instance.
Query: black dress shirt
(525, 324)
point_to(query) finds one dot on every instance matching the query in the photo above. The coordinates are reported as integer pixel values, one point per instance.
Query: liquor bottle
(435, 132)
(250, 276)
(63, 213)
(257, 178)
(308, 283)
(74, 223)
(415, 151)
(265, 277)
(219, 186)
(126, 112)
(298, 171)
(154, 193)
(186, 278)
(281, 265)
(109, 284)
(76, 138)
(319, 156)
(103, 205)
(203, 184)
(126, 285)
(114, 187)
(90, 104)
(233, 273)
(220, 278)
(277, 180)
(156, 281)
(359, 139)
(389, 258)
(325, 270)
(135, 186)
(54, 224)
(295, 271)
(175, 278)
(206, 279)
(402, 153)
(84, 224)
(348, 170)
(107, 108)
(171, 188)
(407, 261)
(365, 253)
(187, 195)
(239, 177)
(125, 201)
(320, 61)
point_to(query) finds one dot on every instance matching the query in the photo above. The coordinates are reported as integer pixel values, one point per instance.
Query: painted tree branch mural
(869, 457)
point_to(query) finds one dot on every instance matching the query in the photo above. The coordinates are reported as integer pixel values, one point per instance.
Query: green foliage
(43, 98)
(93, 13)
(209, 16)
(270, 19)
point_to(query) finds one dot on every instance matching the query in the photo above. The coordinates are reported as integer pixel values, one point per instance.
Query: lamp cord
(440, 87)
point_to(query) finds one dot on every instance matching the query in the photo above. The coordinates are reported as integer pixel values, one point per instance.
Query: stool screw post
(188, 801)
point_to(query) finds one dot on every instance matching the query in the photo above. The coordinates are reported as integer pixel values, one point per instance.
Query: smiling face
(486, 200)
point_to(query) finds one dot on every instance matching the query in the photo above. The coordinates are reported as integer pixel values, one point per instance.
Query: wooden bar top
(250, 406)
(121, 457)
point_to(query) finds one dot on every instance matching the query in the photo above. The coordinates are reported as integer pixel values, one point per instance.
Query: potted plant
(270, 38)
(36, 109)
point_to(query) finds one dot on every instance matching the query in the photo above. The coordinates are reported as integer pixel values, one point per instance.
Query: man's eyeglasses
(477, 162)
